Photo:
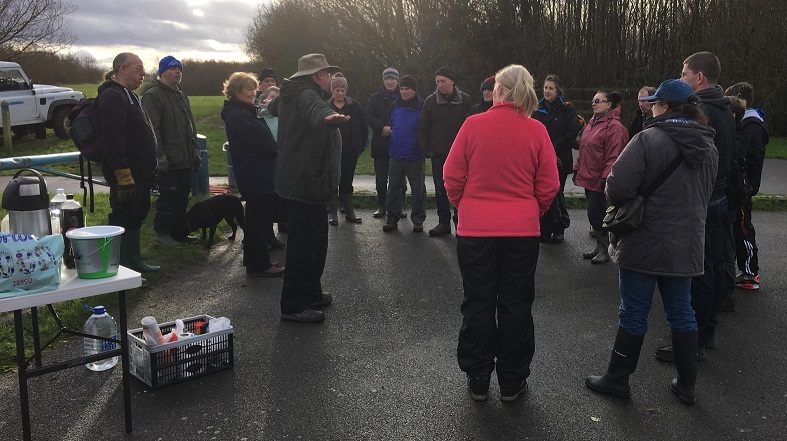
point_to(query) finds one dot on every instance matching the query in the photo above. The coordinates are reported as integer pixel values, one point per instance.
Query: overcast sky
(153, 29)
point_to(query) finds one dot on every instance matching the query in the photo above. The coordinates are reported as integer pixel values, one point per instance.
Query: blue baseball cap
(169, 62)
(671, 90)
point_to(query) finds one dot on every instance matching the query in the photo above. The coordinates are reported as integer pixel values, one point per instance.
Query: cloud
(206, 29)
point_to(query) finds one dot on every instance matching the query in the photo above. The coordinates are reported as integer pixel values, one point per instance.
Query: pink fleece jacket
(501, 174)
(601, 143)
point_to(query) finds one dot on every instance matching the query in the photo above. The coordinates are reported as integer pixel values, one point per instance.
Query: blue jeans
(707, 290)
(636, 298)
(440, 195)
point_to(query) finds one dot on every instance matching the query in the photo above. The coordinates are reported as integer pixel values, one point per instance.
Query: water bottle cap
(98, 310)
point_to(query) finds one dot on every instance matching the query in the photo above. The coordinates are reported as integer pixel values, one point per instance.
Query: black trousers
(258, 230)
(381, 168)
(130, 214)
(174, 188)
(307, 248)
(498, 275)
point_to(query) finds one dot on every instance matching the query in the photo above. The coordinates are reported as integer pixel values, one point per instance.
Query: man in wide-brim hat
(307, 171)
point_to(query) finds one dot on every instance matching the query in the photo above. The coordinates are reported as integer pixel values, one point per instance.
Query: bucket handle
(107, 240)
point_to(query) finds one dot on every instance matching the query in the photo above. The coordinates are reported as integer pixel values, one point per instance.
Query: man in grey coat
(178, 153)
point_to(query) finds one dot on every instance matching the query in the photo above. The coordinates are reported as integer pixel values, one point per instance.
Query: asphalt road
(383, 365)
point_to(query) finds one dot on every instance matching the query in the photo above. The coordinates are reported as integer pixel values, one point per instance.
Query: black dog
(208, 213)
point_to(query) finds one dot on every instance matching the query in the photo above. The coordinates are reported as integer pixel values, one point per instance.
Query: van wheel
(60, 121)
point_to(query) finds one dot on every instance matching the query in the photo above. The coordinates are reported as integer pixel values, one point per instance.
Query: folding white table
(71, 287)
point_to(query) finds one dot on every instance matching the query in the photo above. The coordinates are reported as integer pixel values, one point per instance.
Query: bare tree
(34, 25)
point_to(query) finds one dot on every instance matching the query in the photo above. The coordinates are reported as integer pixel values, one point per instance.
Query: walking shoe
(325, 300)
(392, 223)
(418, 228)
(379, 213)
(440, 230)
(478, 388)
(274, 271)
(166, 240)
(745, 281)
(306, 316)
(509, 394)
(403, 215)
(545, 238)
(557, 238)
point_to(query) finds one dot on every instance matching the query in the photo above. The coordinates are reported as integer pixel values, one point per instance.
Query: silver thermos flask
(27, 201)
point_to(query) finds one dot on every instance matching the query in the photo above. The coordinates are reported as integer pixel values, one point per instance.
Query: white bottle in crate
(103, 325)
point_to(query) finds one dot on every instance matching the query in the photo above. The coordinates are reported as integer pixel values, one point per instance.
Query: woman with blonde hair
(501, 176)
(253, 152)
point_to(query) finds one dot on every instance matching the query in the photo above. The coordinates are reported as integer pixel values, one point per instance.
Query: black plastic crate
(182, 360)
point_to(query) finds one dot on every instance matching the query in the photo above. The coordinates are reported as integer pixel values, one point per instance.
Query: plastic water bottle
(54, 209)
(103, 325)
(71, 216)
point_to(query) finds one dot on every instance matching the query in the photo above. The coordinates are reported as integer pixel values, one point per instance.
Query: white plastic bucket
(96, 250)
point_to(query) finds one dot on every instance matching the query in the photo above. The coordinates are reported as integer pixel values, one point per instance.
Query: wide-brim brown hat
(312, 63)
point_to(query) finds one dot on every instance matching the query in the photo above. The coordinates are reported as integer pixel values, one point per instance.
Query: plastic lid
(98, 310)
(69, 196)
(61, 190)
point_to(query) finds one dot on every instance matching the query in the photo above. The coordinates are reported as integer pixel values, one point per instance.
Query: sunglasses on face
(599, 101)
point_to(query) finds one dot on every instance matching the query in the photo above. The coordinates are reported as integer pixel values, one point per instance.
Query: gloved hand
(163, 165)
(126, 186)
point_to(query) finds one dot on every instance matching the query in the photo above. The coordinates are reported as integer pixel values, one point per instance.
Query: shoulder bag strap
(663, 176)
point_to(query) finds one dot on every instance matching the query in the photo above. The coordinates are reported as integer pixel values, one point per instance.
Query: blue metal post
(200, 181)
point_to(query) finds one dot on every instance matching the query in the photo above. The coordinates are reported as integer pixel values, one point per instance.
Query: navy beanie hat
(445, 71)
(408, 81)
(168, 62)
(268, 73)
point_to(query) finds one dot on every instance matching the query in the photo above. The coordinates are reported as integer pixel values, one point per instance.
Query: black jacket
(377, 116)
(561, 122)
(481, 107)
(355, 132)
(252, 148)
(717, 109)
(758, 138)
(129, 140)
(440, 122)
(637, 123)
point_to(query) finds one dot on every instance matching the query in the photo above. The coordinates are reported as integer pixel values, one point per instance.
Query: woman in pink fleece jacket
(602, 141)
(501, 175)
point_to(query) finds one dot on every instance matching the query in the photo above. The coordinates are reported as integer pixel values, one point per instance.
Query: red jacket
(601, 143)
(501, 174)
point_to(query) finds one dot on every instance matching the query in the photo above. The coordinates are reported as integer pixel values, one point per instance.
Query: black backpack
(85, 130)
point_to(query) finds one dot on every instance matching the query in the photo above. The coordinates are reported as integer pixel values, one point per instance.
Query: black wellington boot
(349, 209)
(622, 363)
(684, 347)
(130, 256)
(380, 205)
(603, 248)
(591, 254)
